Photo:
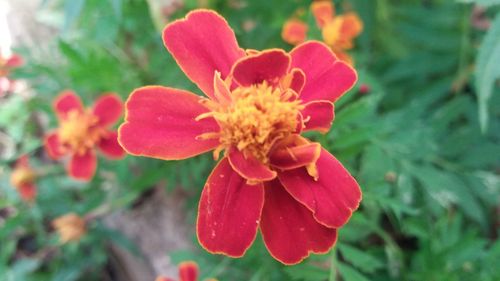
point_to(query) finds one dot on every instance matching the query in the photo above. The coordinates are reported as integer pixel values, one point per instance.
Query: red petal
(108, 108)
(202, 43)
(249, 167)
(327, 78)
(318, 115)
(298, 80)
(65, 102)
(52, 146)
(332, 198)
(23, 162)
(27, 191)
(160, 123)
(188, 271)
(268, 65)
(82, 167)
(229, 212)
(288, 228)
(109, 146)
(14, 61)
(222, 94)
(294, 155)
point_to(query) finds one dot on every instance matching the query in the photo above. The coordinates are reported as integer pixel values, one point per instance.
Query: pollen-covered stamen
(256, 118)
(79, 131)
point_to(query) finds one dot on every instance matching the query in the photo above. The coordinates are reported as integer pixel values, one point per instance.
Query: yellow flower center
(255, 118)
(21, 176)
(78, 131)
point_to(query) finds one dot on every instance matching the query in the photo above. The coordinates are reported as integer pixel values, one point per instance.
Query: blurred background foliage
(423, 141)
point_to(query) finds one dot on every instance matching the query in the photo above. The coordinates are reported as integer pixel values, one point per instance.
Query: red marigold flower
(82, 130)
(258, 104)
(188, 271)
(294, 31)
(23, 179)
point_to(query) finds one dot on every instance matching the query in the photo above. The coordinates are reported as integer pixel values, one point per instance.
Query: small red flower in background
(82, 130)
(338, 32)
(258, 104)
(188, 271)
(23, 179)
(7, 64)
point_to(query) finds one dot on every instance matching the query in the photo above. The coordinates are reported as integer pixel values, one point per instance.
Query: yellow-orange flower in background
(294, 31)
(70, 227)
(23, 179)
(338, 31)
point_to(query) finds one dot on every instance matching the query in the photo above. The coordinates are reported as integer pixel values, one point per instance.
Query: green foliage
(488, 70)
(427, 165)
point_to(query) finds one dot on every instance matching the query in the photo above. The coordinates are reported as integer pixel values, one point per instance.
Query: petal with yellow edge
(202, 43)
(295, 152)
(327, 78)
(269, 65)
(65, 102)
(318, 116)
(188, 271)
(228, 212)
(332, 198)
(108, 108)
(53, 146)
(288, 228)
(82, 167)
(110, 147)
(249, 167)
(161, 123)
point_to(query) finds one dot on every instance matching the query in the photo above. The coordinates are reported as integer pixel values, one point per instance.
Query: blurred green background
(423, 142)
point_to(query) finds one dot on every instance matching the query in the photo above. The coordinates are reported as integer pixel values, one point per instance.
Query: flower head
(82, 130)
(23, 179)
(338, 31)
(188, 271)
(70, 227)
(258, 103)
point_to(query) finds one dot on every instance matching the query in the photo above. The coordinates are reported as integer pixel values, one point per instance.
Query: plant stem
(333, 267)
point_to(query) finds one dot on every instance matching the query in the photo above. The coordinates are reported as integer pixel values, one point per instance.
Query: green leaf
(350, 274)
(484, 3)
(487, 70)
(72, 9)
(360, 259)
